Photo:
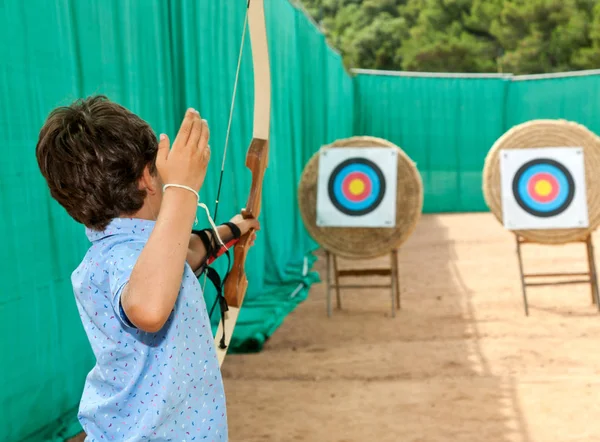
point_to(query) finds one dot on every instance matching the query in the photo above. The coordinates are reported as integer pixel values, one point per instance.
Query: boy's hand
(187, 161)
(252, 239)
(245, 225)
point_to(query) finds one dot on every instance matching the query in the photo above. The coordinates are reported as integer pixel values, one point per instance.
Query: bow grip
(236, 282)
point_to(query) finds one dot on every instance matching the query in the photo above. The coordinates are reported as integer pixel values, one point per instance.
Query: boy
(156, 376)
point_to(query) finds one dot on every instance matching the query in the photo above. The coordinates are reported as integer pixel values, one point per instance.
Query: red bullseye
(542, 180)
(352, 179)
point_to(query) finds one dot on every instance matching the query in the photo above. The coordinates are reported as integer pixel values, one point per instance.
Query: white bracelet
(210, 220)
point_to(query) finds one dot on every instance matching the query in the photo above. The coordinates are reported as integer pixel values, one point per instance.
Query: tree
(516, 36)
(542, 35)
(589, 57)
(452, 35)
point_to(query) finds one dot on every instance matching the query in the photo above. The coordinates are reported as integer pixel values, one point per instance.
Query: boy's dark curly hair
(92, 155)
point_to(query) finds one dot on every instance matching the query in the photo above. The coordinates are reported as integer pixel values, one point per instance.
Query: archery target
(543, 188)
(357, 187)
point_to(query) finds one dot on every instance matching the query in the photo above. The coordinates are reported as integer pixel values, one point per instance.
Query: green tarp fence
(156, 57)
(447, 123)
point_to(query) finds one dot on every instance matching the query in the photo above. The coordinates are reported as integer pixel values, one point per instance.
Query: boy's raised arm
(150, 294)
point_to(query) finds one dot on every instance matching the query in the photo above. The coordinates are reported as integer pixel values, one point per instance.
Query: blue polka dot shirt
(163, 386)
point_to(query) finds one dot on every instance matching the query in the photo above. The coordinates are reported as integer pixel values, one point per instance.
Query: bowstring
(228, 133)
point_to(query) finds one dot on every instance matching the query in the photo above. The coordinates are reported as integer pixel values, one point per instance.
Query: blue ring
(339, 191)
(552, 208)
(378, 187)
(549, 206)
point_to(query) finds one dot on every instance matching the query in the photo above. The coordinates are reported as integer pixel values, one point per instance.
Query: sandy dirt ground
(460, 362)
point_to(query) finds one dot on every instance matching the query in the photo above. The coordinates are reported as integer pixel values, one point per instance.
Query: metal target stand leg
(591, 273)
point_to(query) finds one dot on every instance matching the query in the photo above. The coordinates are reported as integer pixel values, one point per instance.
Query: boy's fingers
(185, 129)
(205, 136)
(163, 151)
(196, 132)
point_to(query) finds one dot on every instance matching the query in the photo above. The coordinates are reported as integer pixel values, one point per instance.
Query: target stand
(360, 198)
(540, 181)
(333, 271)
(591, 275)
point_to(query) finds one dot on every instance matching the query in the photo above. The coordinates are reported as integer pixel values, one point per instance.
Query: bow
(257, 158)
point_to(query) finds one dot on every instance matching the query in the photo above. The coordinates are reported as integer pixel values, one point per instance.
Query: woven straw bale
(539, 134)
(364, 243)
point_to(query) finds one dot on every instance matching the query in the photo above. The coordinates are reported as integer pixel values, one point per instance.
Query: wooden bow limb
(257, 159)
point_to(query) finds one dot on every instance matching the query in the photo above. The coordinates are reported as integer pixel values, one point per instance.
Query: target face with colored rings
(543, 187)
(356, 186)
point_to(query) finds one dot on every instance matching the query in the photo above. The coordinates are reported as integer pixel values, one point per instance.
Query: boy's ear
(149, 182)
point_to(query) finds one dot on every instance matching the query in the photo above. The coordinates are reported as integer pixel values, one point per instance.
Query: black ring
(525, 207)
(368, 209)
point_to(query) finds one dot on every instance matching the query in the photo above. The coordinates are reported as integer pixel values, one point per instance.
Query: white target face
(543, 188)
(357, 187)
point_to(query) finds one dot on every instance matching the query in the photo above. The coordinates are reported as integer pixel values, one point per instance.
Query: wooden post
(328, 282)
(395, 270)
(337, 283)
(522, 273)
(592, 270)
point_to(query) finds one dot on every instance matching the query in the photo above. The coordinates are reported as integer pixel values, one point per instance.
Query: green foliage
(516, 36)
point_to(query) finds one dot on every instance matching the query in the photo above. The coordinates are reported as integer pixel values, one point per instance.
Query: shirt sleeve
(122, 260)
